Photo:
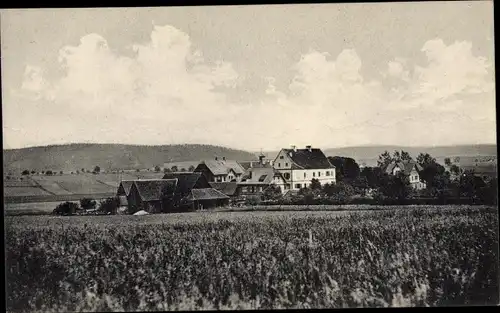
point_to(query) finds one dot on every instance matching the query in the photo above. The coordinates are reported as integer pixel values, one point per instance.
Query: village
(220, 182)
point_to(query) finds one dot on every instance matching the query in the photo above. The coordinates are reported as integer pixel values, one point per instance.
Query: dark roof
(150, 190)
(309, 159)
(206, 194)
(223, 167)
(259, 175)
(406, 166)
(127, 184)
(185, 181)
(227, 188)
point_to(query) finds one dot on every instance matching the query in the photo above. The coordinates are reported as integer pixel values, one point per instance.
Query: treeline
(88, 206)
(372, 185)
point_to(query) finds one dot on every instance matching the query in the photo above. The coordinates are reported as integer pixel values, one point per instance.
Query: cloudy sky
(251, 77)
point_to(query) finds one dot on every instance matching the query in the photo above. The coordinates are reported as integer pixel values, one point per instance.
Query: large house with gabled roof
(299, 166)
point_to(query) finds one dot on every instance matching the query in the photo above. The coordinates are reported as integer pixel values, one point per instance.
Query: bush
(66, 208)
(25, 172)
(109, 206)
(88, 204)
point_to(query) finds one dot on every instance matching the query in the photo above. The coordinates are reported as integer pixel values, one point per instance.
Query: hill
(74, 157)
(369, 154)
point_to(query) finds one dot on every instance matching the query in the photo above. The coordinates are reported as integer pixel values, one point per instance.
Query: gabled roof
(405, 166)
(152, 189)
(206, 194)
(227, 188)
(185, 181)
(126, 184)
(308, 158)
(223, 167)
(264, 175)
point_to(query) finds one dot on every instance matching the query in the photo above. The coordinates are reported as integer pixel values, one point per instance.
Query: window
(281, 157)
(319, 174)
(304, 174)
(287, 175)
(327, 173)
(279, 164)
(286, 164)
(314, 174)
(298, 186)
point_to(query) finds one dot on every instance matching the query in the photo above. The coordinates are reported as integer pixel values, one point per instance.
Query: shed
(207, 198)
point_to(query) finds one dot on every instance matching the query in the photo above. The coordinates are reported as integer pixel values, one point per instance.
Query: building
(230, 189)
(259, 177)
(207, 198)
(151, 195)
(411, 169)
(299, 166)
(187, 181)
(124, 191)
(220, 170)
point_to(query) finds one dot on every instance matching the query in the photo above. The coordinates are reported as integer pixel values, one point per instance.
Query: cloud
(167, 93)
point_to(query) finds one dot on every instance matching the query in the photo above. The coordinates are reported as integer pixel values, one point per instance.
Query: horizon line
(251, 151)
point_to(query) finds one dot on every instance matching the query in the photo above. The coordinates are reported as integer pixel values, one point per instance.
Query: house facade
(259, 177)
(299, 166)
(220, 170)
(411, 169)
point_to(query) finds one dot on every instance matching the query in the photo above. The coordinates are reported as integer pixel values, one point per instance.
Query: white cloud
(167, 93)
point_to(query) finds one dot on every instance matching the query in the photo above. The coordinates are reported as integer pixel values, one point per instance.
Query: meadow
(419, 256)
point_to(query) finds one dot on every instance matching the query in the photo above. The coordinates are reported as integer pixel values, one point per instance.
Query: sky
(251, 77)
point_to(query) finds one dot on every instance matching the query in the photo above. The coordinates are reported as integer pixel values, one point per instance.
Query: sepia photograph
(250, 157)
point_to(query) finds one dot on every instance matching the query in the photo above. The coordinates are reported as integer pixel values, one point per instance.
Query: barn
(152, 196)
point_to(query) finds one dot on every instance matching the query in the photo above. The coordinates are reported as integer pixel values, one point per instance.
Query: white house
(299, 166)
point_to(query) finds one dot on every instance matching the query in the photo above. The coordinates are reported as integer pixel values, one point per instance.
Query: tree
(96, 170)
(66, 208)
(395, 187)
(373, 176)
(191, 168)
(174, 168)
(49, 173)
(33, 172)
(157, 168)
(83, 170)
(470, 185)
(434, 174)
(109, 206)
(384, 160)
(183, 169)
(25, 172)
(338, 192)
(447, 161)
(77, 171)
(88, 204)
(272, 192)
(166, 170)
(137, 170)
(454, 169)
(345, 168)
(315, 184)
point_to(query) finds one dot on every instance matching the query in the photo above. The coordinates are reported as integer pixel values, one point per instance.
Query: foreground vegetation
(414, 257)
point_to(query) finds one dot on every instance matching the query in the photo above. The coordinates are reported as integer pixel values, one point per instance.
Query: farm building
(124, 191)
(220, 170)
(230, 189)
(152, 196)
(187, 181)
(207, 198)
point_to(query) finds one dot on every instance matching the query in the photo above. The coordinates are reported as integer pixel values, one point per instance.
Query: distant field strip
(54, 198)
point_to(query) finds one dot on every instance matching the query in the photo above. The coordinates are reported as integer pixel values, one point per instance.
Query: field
(253, 260)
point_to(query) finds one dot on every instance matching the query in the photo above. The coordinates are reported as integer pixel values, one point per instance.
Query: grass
(253, 260)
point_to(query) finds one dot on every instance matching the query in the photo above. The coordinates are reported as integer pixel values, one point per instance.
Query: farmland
(244, 260)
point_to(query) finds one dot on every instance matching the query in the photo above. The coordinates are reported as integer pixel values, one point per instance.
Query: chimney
(294, 148)
(309, 148)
